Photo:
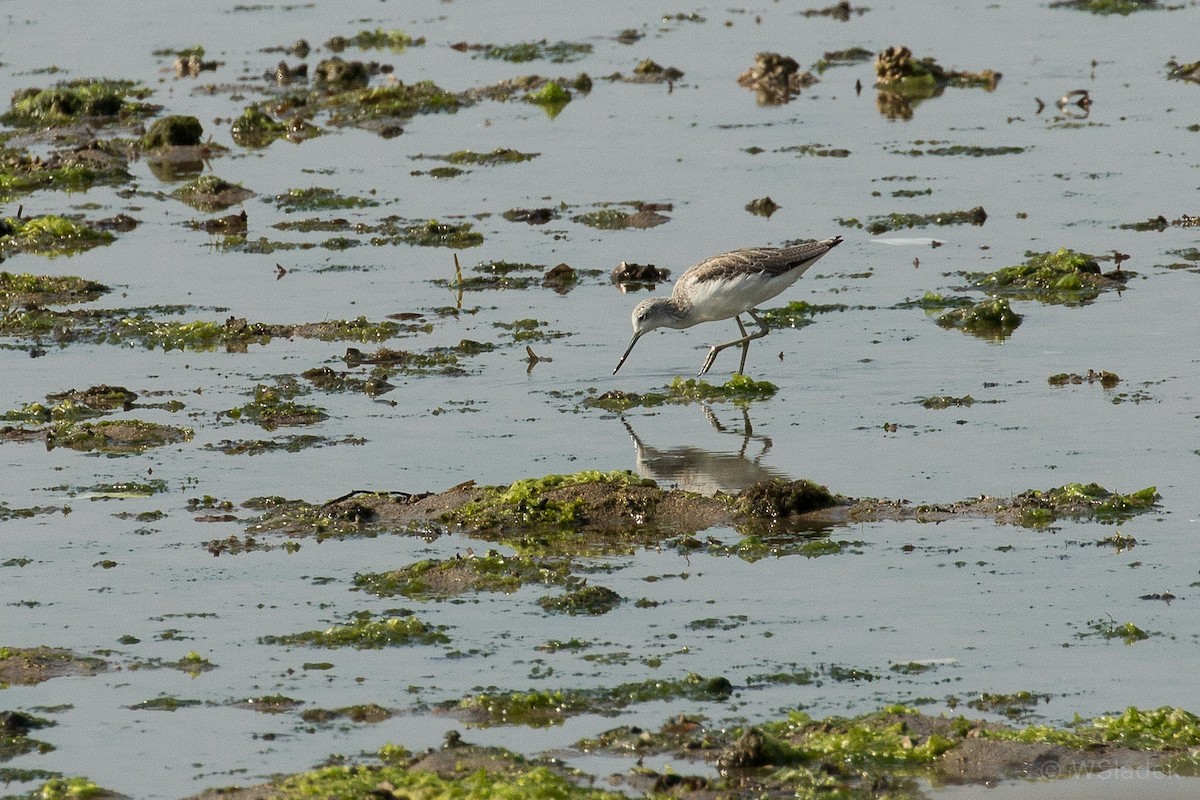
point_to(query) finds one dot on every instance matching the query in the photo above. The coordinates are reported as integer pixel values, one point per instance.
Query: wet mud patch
(27, 666)
(595, 513)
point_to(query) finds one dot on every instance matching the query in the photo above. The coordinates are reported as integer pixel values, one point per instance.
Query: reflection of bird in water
(702, 471)
(727, 286)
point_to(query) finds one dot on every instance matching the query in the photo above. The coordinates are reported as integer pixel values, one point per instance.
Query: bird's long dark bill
(632, 342)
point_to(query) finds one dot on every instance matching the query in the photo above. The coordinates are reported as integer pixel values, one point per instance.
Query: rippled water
(999, 609)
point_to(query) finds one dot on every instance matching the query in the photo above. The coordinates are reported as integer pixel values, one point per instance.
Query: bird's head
(651, 313)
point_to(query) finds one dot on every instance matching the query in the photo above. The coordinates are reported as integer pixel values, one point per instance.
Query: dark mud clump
(210, 193)
(763, 207)
(775, 79)
(781, 498)
(638, 276)
(173, 131)
(604, 512)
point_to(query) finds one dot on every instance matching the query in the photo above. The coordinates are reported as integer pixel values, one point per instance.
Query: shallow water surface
(991, 608)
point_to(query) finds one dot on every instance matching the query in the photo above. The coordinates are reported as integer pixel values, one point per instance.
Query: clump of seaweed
(1063, 277)
(904, 80)
(97, 101)
(49, 235)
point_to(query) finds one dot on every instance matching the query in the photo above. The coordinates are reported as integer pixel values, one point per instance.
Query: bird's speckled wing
(773, 261)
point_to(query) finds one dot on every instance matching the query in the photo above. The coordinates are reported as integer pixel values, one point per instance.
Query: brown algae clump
(780, 498)
(775, 78)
